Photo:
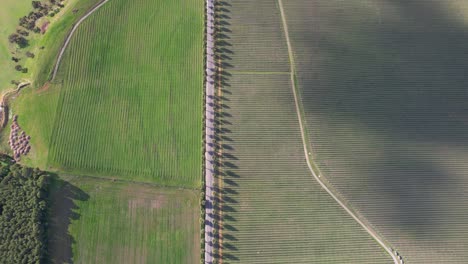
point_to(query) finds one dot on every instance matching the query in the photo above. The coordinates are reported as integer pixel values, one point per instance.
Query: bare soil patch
(44, 88)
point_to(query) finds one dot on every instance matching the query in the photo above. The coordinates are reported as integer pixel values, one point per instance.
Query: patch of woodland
(23, 212)
(29, 25)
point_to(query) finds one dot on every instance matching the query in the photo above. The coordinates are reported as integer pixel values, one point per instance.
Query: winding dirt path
(70, 35)
(396, 258)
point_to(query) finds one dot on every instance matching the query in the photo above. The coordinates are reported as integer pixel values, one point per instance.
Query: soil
(44, 88)
(44, 27)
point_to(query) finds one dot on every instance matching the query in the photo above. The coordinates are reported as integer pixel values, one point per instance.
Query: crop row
(130, 103)
(384, 96)
(273, 210)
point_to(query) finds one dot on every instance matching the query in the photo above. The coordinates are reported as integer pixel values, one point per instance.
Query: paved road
(209, 130)
(62, 50)
(396, 258)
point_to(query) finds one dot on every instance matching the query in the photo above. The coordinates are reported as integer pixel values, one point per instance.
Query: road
(209, 130)
(65, 45)
(396, 258)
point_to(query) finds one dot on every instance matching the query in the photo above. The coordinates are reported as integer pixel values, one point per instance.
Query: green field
(40, 66)
(383, 86)
(10, 12)
(36, 114)
(273, 209)
(126, 102)
(103, 221)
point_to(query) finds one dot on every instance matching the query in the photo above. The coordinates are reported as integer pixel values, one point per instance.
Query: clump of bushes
(27, 24)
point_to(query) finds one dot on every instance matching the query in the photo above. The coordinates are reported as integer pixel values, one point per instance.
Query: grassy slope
(52, 41)
(384, 92)
(10, 12)
(130, 103)
(117, 222)
(38, 113)
(40, 66)
(274, 211)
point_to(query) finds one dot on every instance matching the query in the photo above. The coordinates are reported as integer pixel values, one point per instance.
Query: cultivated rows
(384, 93)
(116, 222)
(131, 98)
(273, 210)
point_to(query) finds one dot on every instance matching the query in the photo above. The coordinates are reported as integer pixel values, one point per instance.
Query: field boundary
(70, 35)
(126, 181)
(395, 256)
(210, 68)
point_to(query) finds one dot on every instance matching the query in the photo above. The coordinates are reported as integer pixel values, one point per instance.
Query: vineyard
(103, 221)
(273, 211)
(131, 98)
(126, 105)
(383, 87)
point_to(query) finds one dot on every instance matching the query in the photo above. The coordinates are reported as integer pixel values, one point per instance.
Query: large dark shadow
(62, 210)
(391, 78)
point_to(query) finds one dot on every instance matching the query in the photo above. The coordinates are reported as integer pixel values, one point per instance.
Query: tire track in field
(397, 259)
(70, 35)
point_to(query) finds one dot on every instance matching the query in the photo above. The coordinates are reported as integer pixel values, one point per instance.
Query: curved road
(395, 256)
(62, 50)
(209, 130)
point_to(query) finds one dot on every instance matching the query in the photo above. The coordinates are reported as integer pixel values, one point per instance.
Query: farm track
(368, 229)
(70, 35)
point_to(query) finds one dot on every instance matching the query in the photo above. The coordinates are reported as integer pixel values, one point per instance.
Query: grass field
(10, 12)
(273, 209)
(126, 103)
(384, 91)
(130, 100)
(36, 114)
(102, 221)
(39, 67)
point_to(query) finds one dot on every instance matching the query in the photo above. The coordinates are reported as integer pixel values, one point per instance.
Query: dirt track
(65, 45)
(396, 258)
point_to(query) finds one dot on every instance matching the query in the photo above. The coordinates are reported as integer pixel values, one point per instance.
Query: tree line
(28, 24)
(23, 208)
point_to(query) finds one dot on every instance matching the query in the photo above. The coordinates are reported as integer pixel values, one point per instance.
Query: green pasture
(127, 102)
(102, 221)
(40, 66)
(10, 12)
(36, 111)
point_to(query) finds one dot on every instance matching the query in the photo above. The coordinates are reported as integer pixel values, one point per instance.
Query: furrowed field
(130, 95)
(126, 103)
(103, 221)
(273, 209)
(383, 85)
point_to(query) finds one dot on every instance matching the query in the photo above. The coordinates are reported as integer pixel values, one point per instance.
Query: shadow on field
(395, 74)
(228, 161)
(62, 211)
